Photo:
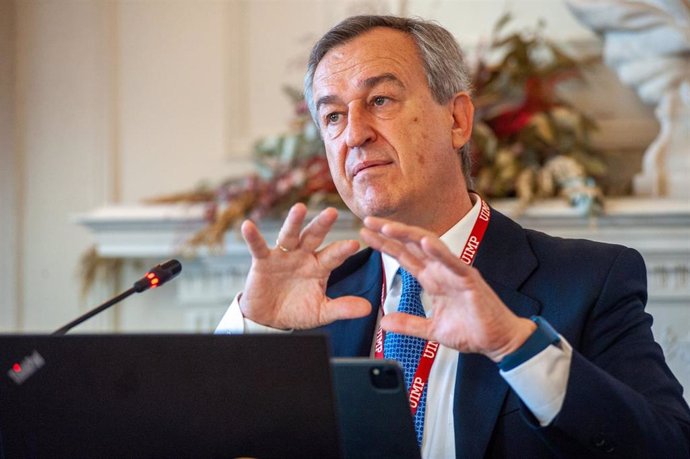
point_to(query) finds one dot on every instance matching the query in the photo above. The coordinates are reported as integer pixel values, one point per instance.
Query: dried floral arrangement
(527, 143)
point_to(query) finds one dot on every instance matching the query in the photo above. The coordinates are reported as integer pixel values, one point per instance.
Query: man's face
(392, 149)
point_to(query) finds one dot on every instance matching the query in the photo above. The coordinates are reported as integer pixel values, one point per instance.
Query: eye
(333, 118)
(379, 100)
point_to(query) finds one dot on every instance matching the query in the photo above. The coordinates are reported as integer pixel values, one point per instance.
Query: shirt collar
(455, 238)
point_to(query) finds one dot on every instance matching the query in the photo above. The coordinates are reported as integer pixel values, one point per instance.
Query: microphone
(158, 275)
(155, 277)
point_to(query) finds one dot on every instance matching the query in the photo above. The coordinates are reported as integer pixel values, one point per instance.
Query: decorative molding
(212, 281)
(675, 348)
(676, 345)
(659, 229)
(139, 231)
(201, 320)
(669, 279)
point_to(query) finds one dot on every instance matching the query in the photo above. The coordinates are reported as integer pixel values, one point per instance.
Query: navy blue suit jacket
(621, 399)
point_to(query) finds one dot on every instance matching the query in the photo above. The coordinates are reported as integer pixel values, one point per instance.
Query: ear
(462, 111)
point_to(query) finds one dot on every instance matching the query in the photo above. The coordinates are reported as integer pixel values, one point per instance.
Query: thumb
(345, 307)
(406, 324)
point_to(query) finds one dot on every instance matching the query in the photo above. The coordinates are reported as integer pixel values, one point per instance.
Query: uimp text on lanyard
(421, 376)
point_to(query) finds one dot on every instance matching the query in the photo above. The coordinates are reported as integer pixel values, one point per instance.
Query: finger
(382, 243)
(394, 248)
(288, 237)
(255, 241)
(375, 223)
(345, 307)
(315, 232)
(334, 254)
(407, 324)
(405, 233)
(408, 235)
(435, 249)
(396, 230)
(416, 251)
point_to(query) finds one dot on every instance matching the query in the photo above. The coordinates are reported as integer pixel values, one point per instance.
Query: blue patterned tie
(407, 349)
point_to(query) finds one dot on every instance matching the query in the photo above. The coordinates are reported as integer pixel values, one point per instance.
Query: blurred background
(106, 103)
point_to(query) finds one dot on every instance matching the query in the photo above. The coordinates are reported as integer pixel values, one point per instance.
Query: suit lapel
(360, 275)
(505, 260)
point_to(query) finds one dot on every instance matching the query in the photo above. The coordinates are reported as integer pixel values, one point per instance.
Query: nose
(359, 128)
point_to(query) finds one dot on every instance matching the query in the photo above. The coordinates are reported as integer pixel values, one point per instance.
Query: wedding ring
(283, 249)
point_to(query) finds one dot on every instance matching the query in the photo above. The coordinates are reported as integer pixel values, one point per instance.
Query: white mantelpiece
(658, 228)
(145, 231)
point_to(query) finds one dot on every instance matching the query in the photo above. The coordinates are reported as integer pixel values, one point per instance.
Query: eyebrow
(366, 84)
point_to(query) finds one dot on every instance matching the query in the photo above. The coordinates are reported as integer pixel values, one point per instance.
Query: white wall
(63, 132)
(172, 92)
(117, 101)
(9, 167)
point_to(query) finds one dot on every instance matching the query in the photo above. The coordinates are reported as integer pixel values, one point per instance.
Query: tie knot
(410, 284)
(410, 299)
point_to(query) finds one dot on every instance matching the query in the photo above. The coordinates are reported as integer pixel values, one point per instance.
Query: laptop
(264, 396)
(374, 413)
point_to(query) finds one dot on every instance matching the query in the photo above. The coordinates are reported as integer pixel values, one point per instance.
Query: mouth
(365, 165)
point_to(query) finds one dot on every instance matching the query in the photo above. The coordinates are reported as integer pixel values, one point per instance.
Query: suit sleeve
(621, 399)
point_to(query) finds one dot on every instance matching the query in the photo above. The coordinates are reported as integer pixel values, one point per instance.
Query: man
(391, 99)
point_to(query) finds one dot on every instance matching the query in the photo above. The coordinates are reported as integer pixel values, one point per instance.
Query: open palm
(286, 285)
(467, 315)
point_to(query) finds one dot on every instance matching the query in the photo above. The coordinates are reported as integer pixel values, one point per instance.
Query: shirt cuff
(541, 381)
(234, 323)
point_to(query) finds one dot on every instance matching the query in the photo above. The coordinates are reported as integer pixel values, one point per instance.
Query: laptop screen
(166, 396)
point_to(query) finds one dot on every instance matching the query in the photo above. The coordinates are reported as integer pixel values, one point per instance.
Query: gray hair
(441, 55)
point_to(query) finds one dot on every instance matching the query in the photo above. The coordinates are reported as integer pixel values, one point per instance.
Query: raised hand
(286, 284)
(467, 313)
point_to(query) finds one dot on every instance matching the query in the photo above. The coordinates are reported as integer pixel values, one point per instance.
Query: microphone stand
(62, 330)
(157, 276)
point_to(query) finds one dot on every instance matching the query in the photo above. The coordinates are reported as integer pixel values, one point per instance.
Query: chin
(372, 203)
(378, 210)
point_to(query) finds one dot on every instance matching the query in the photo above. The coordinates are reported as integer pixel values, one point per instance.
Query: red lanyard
(421, 376)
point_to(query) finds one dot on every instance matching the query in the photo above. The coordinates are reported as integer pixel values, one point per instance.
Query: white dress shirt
(539, 382)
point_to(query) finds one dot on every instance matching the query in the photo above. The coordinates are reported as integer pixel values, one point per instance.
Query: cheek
(424, 139)
(342, 186)
(424, 143)
(336, 165)
(433, 143)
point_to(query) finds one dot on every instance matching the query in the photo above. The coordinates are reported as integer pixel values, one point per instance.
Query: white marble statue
(647, 42)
